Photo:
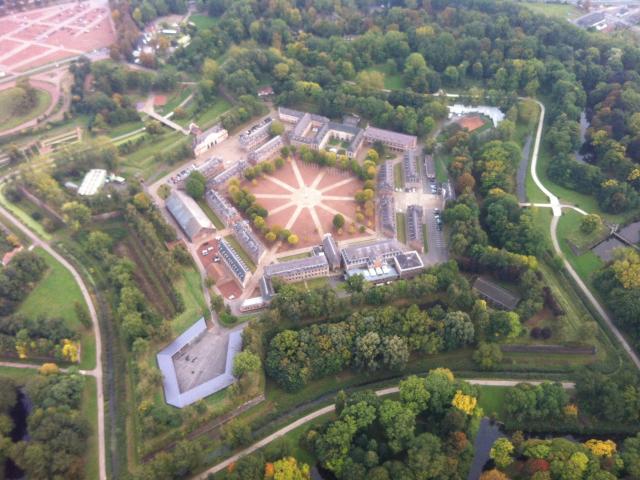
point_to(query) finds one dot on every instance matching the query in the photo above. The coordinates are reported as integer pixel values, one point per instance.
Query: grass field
(24, 217)
(210, 213)
(142, 161)
(398, 178)
(55, 295)
(207, 117)
(441, 169)
(401, 227)
(175, 99)
(556, 10)
(569, 228)
(90, 412)
(425, 237)
(492, 400)
(125, 128)
(7, 106)
(203, 21)
(234, 243)
(190, 288)
(392, 80)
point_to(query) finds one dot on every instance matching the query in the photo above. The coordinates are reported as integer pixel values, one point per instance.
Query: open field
(203, 21)
(189, 286)
(55, 295)
(7, 105)
(569, 228)
(207, 117)
(392, 80)
(556, 10)
(24, 217)
(210, 213)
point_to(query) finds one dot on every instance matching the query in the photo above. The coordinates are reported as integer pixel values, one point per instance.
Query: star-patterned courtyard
(304, 199)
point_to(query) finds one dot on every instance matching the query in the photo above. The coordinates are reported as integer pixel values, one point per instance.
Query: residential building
(495, 295)
(387, 216)
(92, 182)
(299, 269)
(408, 264)
(209, 169)
(189, 216)
(266, 151)
(415, 237)
(393, 140)
(203, 141)
(226, 212)
(386, 184)
(257, 134)
(235, 263)
(289, 115)
(331, 251)
(371, 253)
(248, 241)
(410, 170)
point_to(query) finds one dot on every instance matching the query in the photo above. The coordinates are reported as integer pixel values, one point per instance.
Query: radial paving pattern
(304, 198)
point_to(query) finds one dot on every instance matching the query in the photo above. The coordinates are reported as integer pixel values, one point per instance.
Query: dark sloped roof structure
(188, 214)
(496, 294)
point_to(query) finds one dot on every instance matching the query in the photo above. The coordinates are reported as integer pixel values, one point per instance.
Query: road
(330, 408)
(97, 371)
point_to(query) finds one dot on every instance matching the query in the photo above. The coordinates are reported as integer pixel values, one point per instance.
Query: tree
(590, 223)
(76, 214)
(276, 128)
(458, 330)
(164, 191)
(244, 362)
(142, 201)
(293, 239)
(395, 352)
(338, 221)
(355, 283)
(370, 81)
(501, 452)
(488, 355)
(196, 184)
(493, 475)
(414, 394)
(289, 469)
(398, 422)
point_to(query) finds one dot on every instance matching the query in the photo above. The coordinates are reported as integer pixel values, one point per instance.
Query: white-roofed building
(92, 182)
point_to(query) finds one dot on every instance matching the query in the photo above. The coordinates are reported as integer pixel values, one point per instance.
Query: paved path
(330, 408)
(97, 371)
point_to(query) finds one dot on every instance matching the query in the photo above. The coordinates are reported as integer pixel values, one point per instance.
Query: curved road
(330, 408)
(554, 204)
(97, 371)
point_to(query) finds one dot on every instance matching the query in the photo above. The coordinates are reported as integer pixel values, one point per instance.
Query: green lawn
(175, 99)
(24, 217)
(207, 117)
(210, 213)
(55, 295)
(7, 105)
(557, 10)
(425, 237)
(203, 21)
(125, 128)
(441, 169)
(401, 227)
(569, 228)
(234, 243)
(398, 178)
(392, 80)
(142, 160)
(492, 400)
(190, 287)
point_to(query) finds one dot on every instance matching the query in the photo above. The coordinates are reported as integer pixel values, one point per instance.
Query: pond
(19, 414)
(488, 433)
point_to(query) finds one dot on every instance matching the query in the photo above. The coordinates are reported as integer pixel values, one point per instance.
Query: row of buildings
(316, 131)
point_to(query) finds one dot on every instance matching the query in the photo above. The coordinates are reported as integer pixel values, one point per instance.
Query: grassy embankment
(8, 103)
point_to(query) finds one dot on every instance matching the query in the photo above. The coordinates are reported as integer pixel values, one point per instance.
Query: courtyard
(305, 198)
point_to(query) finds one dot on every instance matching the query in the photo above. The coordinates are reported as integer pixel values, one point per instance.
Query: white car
(210, 249)
(205, 253)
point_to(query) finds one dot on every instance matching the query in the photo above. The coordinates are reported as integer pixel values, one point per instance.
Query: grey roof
(247, 239)
(406, 142)
(188, 214)
(229, 173)
(631, 233)
(221, 207)
(233, 261)
(201, 137)
(606, 249)
(296, 265)
(266, 288)
(409, 168)
(387, 213)
(496, 293)
(256, 133)
(408, 261)
(385, 177)
(414, 223)
(264, 151)
(290, 112)
(590, 19)
(172, 393)
(368, 253)
(331, 250)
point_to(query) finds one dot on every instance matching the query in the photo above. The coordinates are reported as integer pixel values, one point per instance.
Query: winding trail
(97, 372)
(330, 408)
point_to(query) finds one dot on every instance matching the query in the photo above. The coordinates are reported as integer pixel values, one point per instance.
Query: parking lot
(435, 239)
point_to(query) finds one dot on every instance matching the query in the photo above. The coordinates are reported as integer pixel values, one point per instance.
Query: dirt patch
(229, 289)
(471, 122)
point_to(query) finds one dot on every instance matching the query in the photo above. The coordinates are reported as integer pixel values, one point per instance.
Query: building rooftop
(170, 357)
(202, 136)
(283, 268)
(247, 239)
(496, 293)
(631, 233)
(92, 182)
(383, 273)
(330, 249)
(408, 261)
(370, 252)
(187, 213)
(234, 261)
(406, 141)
